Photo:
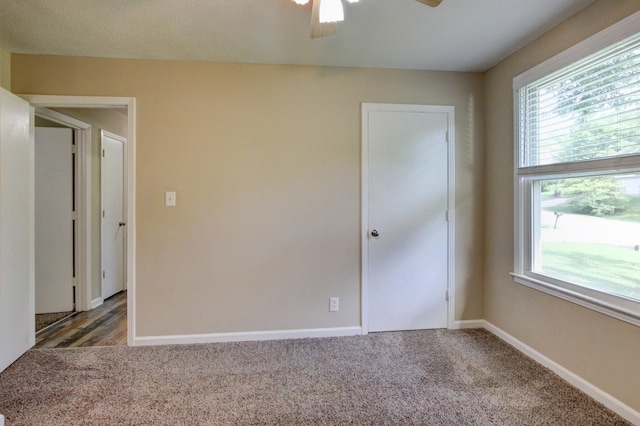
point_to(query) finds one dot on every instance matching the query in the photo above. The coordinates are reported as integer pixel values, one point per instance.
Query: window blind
(586, 111)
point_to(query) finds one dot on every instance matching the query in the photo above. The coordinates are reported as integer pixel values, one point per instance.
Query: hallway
(105, 325)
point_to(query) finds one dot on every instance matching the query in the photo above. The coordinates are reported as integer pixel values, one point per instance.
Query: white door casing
(113, 220)
(54, 257)
(17, 302)
(407, 192)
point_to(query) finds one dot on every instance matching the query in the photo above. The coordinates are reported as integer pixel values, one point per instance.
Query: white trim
(364, 200)
(614, 306)
(96, 302)
(113, 136)
(467, 324)
(83, 197)
(112, 102)
(605, 38)
(573, 379)
(247, 336)
(451, 213)
(624, 164)
(364, 220)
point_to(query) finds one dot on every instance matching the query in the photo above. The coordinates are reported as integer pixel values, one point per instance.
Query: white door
(17, 319)
(113, 214)
(407, 216)
(54, 220)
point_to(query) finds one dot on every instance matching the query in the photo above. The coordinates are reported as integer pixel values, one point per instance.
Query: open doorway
(95, 319)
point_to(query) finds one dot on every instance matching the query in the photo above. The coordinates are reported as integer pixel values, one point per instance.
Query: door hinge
(446, 137)
(74, 215)
(103, 152)
(447, 295)
(446, 215)
(104, 274)
(103, 213)
(74, 149)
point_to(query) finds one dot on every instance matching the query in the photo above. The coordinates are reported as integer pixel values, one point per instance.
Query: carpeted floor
(433, 377)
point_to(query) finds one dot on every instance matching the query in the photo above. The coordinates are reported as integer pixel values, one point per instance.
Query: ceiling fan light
(301, 1)
(331, 11)
(353, 1)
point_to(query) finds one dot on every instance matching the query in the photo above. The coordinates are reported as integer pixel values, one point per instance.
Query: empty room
(322, 211)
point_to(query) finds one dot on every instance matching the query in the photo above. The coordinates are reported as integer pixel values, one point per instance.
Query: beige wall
(600, 349)
(265, 161)
(5, 70)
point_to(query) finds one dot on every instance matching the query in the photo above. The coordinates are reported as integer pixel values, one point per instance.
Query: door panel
(113, 218)
(17, 318)
(407, 206)
(54, 223)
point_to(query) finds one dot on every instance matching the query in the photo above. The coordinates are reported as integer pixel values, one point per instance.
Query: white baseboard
(246, 336)
(594, 392)
(96, 302)
(467, 324)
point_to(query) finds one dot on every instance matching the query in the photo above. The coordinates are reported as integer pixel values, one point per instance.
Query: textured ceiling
(459, 35)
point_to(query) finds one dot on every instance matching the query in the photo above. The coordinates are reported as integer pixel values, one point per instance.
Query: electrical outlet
(334, 304)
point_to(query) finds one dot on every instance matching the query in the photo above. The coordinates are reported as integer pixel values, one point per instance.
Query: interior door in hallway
(407, 217)
(53, 220)
(113, 214)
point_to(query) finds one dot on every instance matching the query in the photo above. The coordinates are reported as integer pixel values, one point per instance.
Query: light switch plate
(170, 199)
(334, 304)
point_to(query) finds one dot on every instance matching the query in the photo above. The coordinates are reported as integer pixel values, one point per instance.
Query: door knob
(122, 224)
(375, 233)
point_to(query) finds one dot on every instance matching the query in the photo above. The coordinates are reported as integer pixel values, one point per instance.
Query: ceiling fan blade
(432, 3)
(319, 29)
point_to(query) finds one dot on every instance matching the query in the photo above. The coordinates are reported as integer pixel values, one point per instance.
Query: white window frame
(525, 209)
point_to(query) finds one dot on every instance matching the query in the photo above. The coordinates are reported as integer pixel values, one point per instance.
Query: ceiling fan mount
(325, 15)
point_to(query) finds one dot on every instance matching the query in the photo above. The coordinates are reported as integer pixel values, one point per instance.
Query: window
(577, 173)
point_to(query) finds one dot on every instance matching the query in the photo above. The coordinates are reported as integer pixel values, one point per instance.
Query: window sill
(624, 310)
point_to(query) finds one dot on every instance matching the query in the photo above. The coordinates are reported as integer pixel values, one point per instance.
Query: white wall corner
(594, 392)
(246, 336)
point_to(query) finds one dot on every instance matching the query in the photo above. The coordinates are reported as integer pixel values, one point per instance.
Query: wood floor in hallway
(105, 325)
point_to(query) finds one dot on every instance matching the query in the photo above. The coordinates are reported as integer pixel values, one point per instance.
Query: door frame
(60, 101)
(82, 171)
(366, 108)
